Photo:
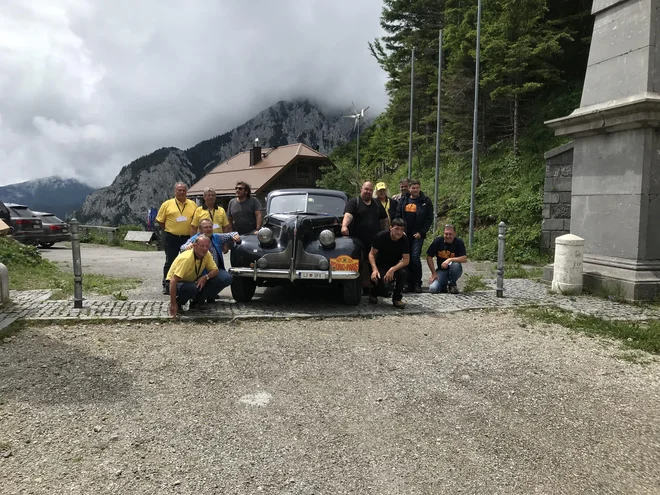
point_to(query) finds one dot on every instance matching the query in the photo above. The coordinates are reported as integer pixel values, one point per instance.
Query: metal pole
(437, 136)
(358, 150)
(501, 242)
(412, 96)
(77, 264)
(475, 124)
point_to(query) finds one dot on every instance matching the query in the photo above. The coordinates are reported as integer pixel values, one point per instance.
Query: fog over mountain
(90, 86)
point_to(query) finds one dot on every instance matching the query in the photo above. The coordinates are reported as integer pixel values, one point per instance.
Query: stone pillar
(615, 204)
(568, 267)
(4, 285)
(557, 195)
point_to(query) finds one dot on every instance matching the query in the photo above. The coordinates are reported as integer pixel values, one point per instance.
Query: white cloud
(88, 86)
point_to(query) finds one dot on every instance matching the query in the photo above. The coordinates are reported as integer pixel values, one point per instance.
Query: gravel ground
(471, 403)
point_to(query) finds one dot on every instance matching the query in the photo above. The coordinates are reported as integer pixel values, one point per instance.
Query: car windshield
(307, 203)
(23, 212)
(50, 219)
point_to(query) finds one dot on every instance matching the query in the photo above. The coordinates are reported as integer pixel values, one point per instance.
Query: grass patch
(644, 336)
(101, 237)
(474, 283)
(29, 271)
(516, 270)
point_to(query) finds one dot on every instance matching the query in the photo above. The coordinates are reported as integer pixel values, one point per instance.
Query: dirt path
(469, 403)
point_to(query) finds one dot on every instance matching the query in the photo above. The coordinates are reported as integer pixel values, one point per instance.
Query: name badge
(216, 226)
(182, 219)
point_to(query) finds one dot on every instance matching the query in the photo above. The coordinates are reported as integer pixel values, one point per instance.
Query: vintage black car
(300, 243)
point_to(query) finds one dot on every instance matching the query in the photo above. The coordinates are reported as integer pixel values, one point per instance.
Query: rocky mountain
(143, 184)
(52, 194)
(146, 182)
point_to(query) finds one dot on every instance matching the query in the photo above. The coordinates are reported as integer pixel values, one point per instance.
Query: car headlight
(327, 238)
(265, 236)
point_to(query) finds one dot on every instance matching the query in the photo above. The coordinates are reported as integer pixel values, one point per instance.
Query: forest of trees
(533, 60)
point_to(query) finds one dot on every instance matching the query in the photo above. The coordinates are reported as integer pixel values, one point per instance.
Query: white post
(4, 285)
(569, 253)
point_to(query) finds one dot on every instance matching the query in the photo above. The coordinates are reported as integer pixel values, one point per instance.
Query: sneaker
(210, 300)
(453, 289)
(398, 304)
(373, 299)
(166, 290)
(418, 289)
(443, 290)
(200, 306)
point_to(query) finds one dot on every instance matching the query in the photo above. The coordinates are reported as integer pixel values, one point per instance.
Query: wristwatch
(207, 277)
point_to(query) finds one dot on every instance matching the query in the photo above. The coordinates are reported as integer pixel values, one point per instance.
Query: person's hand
(375, 275)
(433, 278)
(237, 239)
(225, 248)
(445, 264)
(173, 308)
(189, 247)
(417, 235)
(344, 231)
(201, 282)
(389, 276)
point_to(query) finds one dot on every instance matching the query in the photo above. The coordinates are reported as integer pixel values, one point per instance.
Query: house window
(302, 172)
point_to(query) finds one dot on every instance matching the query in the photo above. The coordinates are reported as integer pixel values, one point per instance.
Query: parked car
(53, 229)
(5, 216)
(26, 226)
(300, 243)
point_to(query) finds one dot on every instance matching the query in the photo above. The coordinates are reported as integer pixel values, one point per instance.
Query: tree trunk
(515, 124)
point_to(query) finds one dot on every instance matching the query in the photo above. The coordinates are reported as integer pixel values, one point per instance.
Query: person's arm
(160, 216)
(384, 220)
(428, 218)
(188, 244)
(462, 258)
(259, 216)
(434, 275)
(405, 259)
(201, 281)
(173, 306)
(348, 218)
(375, 275)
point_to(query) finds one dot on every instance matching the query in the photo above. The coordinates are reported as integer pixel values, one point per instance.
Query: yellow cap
(381, 185)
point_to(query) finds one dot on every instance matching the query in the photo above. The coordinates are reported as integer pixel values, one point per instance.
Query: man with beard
(389, 255)
(193, 275)
(211, 211)
(364, 217)
(416, 210)
(450, 251)
(244, 210)
(174, 217)
(403, 189)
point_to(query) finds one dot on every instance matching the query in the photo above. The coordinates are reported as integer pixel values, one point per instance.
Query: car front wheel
(242, 289)
(352, 291)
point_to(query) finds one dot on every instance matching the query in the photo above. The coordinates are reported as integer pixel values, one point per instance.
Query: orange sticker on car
(345, 264)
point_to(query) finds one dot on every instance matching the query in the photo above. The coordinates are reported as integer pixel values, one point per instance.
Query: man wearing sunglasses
(244, 211)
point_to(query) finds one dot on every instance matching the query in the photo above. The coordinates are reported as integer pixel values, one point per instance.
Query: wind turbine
(358, 116)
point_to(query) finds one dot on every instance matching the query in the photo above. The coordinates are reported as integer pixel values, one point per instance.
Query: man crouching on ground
(450, 251)
(187, 278)
(389, 255)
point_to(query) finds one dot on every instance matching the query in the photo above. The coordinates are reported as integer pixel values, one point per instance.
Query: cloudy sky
(86, 86)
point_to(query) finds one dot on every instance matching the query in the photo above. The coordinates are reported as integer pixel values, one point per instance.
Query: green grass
(516, 270)
(474, 283)
(643, 336)
(101, 237)
(29, 271)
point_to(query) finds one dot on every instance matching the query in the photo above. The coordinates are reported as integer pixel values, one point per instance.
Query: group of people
(195, 239)
(392, 231)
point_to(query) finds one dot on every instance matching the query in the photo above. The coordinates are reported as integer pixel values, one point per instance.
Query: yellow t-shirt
(188, 268)
(176, 216)
(219, 218)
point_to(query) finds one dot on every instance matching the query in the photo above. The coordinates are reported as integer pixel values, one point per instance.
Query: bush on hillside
(15, 255)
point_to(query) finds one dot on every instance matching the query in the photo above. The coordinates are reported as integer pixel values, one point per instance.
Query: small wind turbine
(358, 116)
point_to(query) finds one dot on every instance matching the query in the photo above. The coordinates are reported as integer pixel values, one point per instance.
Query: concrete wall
(557, 195)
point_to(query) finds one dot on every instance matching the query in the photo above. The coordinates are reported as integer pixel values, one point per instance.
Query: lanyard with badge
(182, 217)
(198, 268)
(212, 215)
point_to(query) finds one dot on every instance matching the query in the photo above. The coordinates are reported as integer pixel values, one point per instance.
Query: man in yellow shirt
(209, 210)
(174, 218)
(194, 275)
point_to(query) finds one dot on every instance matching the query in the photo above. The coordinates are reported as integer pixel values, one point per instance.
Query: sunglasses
(239, 188)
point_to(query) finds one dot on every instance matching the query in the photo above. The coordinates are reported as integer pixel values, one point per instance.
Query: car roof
(15, 205)
(322, 192)
(43, 213)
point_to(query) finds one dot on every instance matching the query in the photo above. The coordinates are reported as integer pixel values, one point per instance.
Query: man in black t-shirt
(450, 252)
(389, 255)
(364, 217)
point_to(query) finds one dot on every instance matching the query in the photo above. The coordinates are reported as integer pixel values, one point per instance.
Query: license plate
(36, 226)
(313, 275)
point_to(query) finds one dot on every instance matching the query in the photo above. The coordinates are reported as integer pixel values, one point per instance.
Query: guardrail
(110, 231)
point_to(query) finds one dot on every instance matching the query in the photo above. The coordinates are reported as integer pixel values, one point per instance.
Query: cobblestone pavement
(283, 303)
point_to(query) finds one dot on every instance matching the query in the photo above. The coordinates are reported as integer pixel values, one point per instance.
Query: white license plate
(36, 226)
(312, 275)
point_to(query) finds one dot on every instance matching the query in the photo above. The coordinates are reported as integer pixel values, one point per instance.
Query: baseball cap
(381, 185)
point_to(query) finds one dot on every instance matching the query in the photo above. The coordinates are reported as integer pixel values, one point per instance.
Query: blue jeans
(446, 277)
(185, 291)
(415, 265)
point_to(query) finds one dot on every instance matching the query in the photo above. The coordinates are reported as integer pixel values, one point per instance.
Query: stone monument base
(624, 279)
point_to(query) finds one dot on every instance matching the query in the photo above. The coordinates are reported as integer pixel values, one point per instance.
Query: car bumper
(55, 238)
(293, 275)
